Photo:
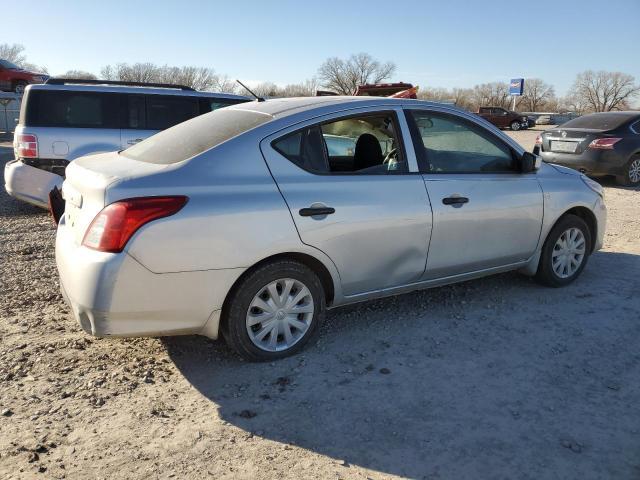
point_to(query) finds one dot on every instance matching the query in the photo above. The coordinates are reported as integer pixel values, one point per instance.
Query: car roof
(282, 107)
(628, 114)
(144, 90)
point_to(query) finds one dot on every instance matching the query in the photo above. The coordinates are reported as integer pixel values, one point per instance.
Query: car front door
(365, 207)
(485, 213)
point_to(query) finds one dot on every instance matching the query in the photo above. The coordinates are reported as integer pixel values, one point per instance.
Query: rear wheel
(19, 87)
(274, 311)
(565, 252)
(632, 173)
(515, 126)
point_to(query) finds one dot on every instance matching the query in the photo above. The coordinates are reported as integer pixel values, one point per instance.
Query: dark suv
(503, 118)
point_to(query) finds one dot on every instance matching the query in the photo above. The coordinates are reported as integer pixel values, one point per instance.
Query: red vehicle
(397, 90)
(15, 79)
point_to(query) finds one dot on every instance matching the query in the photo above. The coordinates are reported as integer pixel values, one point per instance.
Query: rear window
(195, 136)
(56, 108)
(598, 121)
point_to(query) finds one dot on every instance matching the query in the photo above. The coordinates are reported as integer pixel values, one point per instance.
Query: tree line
(592, 91)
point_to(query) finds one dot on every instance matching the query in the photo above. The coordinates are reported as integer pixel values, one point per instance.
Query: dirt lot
(496, 378)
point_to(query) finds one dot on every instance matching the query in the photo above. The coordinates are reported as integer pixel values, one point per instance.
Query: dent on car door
(486, 213)
(367, 208)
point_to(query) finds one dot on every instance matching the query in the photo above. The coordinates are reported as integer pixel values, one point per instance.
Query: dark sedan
(598, 144)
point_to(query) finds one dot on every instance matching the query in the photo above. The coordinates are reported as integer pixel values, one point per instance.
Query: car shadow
(610, 182)
(453, 382)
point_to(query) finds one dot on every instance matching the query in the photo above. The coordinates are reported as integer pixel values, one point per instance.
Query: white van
(65, 119)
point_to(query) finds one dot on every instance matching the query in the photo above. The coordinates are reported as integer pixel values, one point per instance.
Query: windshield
(598, 121)
(195, 136)
(8, 64)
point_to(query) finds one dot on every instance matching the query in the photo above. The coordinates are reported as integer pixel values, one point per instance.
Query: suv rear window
(195, 136)
(598, 121)
(57, 108)
(166, 111)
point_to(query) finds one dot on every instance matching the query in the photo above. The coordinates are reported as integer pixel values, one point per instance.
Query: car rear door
(485, 213)
(375, 226)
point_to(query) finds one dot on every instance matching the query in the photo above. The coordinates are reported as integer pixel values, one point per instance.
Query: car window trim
(395, 115)
(421, 156)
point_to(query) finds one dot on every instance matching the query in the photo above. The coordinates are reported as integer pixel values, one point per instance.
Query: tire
(515, 126)
(555, 277)
(631, 178)
(19, 87)
(289, 278)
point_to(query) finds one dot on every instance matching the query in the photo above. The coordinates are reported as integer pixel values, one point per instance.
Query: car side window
(449, 144)
(166, 111)
(364, 145)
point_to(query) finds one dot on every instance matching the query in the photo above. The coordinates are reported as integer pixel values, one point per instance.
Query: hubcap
(568, 253)
(634, 171)
(279, 315)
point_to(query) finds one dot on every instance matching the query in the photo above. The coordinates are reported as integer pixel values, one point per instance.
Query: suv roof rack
(82, 81)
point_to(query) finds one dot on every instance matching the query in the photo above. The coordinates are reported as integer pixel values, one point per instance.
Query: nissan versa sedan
(242, 222)
(597, 145)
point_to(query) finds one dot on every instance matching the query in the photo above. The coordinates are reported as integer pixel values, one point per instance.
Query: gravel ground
(494, 378)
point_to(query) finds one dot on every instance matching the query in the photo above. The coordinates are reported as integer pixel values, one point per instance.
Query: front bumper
(590, 162)
(600, 211)
(30, 184)
(114, 295)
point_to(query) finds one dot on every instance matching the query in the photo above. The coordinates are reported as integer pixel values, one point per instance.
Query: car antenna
(260, 99)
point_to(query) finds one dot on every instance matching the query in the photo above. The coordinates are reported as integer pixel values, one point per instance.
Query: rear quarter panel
(71, 143)
(235, 216)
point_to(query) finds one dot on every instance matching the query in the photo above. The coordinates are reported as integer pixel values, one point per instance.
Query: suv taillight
(604, 143)
(116, 223)
(26, 146)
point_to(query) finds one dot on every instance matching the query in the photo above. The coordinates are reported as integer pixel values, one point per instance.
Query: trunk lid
(569, 140)
(86, 184)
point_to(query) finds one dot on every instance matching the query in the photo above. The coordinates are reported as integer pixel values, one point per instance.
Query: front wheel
(631, 177)
(565, 252)
(19, 87)
(274, 311)
(515, 126)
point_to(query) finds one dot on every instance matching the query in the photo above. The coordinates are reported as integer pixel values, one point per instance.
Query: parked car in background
(543, 119)
(64, 119)
(503, 118)
(597, 144)
(15, 79)
(246, 221)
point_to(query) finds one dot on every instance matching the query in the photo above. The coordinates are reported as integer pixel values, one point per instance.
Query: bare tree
(14, 53)
(200, 78)
(603, 91)
(494, 94)
(81, 74)
(536, 94)
(344, 76)
(271, 90)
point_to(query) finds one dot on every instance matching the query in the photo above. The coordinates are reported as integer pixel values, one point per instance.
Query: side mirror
(529, 162)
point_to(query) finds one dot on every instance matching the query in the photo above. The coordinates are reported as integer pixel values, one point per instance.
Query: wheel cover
(568, 253)
(634, 171)
(279, 315)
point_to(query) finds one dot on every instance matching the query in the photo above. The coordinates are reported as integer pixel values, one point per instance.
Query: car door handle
(134, 141)
(312, 211)
(455, 201)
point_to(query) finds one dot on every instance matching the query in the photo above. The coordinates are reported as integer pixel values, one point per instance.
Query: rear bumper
(114, 295)
(589, 162)
(30, 184)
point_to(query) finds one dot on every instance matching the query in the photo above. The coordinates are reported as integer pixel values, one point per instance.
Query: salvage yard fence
(9, 111)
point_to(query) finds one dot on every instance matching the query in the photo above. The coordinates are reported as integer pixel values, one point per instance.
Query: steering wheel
(390, 156)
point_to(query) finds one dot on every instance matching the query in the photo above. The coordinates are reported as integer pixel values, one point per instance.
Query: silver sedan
(254, 219)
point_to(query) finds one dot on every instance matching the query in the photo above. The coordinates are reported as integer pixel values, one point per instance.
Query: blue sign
(516, 86)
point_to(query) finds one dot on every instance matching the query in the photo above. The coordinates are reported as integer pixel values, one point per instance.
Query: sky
(452, 43)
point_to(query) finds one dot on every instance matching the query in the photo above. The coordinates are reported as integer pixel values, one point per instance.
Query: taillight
(116, 223)
(26, 146)
(538, 140)
(604, 143)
